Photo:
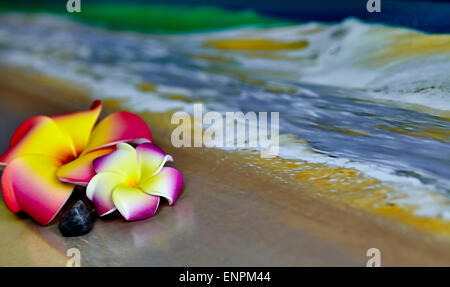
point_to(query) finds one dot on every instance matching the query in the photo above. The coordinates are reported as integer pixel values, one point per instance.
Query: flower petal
(166, 183)
(100, 188)
(29, 184)
(134, 204)
(119, 127)
(151, 159)
(39, 135)
(8, 190)
(24, 128)
(123, 160)
(81, 170)
(79, 125)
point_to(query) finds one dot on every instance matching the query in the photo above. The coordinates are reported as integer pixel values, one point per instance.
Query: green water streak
(151, 18)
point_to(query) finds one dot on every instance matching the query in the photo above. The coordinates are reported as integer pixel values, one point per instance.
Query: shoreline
(281, 212)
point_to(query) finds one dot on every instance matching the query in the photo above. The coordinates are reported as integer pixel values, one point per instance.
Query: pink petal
(134, 204)
(100, 188)
(80, 171)
(119, 127)
(166, 183)
(151, 159)
(29, 184)
(8, 190)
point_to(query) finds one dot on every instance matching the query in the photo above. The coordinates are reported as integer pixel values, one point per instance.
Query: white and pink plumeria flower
(132, 180)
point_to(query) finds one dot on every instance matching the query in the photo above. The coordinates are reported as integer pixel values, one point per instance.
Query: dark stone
(77, 221)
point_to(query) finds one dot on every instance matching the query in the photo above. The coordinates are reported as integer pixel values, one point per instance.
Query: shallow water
(367, 97)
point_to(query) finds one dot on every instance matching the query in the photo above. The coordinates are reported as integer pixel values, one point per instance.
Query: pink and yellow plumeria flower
(133, 180)
(49, 154)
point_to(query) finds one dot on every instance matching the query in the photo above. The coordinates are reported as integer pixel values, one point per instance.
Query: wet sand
(227, 214)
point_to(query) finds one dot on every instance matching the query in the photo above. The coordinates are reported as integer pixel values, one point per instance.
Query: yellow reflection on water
(255, 44)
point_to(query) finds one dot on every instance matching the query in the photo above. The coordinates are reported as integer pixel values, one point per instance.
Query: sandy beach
(227, 214)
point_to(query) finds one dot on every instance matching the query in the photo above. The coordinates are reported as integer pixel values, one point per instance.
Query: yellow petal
(123, 161)
(39, 135)
(81, 170)
(79, 125)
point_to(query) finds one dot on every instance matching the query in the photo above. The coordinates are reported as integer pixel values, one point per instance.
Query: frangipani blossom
(49, 154)
(133, 180)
